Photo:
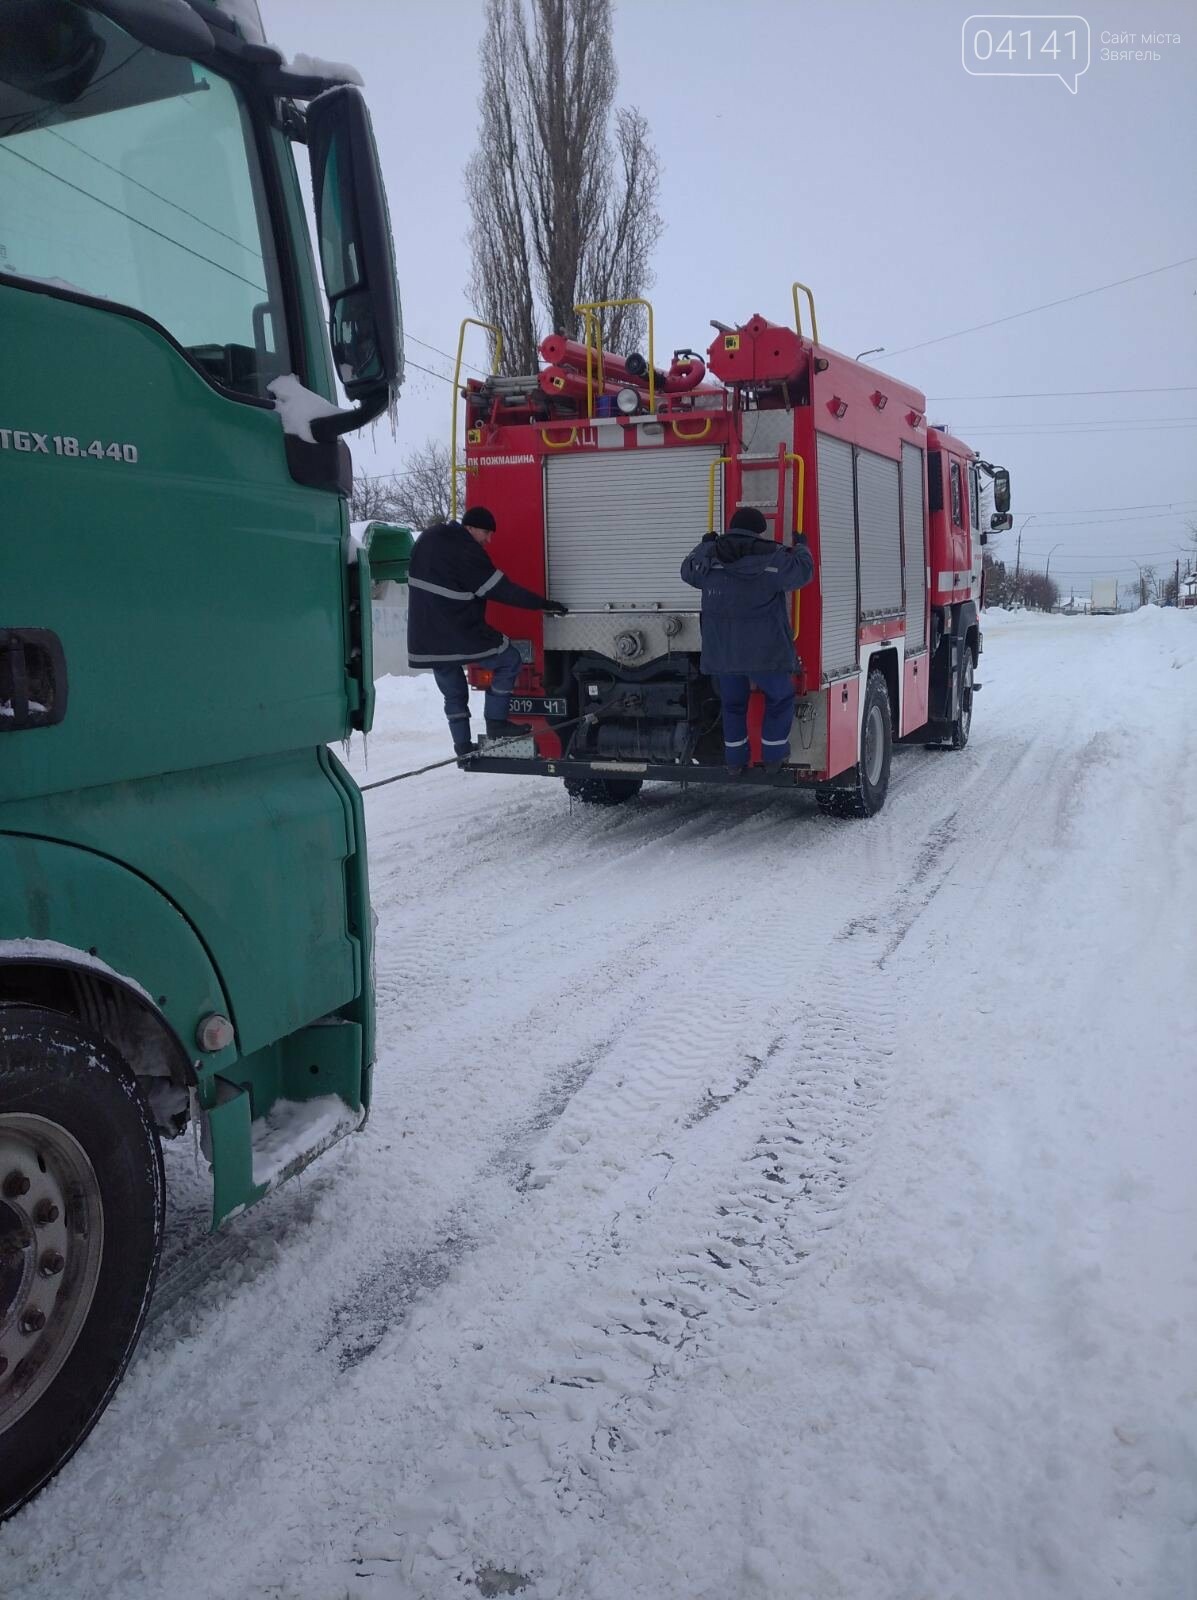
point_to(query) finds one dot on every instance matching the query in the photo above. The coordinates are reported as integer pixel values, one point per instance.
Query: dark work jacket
(745, 617)
(450, 580)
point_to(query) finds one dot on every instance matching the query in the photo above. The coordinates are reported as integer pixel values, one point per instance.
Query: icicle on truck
(185, 924)
(603, 472)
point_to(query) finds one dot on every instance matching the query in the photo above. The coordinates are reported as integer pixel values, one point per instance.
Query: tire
(963, 721)
(82, 1205)
(602, 791)
(870, 778)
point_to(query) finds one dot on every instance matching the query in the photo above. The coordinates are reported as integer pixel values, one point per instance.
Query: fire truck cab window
(957, 496)
(132, 176)
(934, 480)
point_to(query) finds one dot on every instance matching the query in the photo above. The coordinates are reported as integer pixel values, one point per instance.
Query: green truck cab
(185, 921)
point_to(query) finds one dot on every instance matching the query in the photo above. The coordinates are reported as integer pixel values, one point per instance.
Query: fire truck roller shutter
(879, 530)
(617, 527)
(914, 533)
(837, 556)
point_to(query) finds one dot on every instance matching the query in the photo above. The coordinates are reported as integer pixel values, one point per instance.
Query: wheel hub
(51, 1246)
(874, 744)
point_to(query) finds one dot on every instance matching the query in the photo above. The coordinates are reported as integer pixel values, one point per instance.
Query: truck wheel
(600, 791)
(870, 783)
(82, 1202)
(964, 718)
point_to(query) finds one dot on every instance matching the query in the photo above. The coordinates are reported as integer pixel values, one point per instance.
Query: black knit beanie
(748, 520)
(479, 517)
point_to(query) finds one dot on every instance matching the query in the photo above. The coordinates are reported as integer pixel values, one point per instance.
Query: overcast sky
(844, 144)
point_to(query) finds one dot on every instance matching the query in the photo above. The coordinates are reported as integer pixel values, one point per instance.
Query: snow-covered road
(755, 1204)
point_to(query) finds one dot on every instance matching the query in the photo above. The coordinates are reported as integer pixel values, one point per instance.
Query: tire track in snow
(803, 1116)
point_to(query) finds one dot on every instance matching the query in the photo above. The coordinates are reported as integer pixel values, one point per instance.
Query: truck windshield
(133, 176)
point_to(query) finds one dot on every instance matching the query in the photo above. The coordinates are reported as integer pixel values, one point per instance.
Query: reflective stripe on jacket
(450, 581)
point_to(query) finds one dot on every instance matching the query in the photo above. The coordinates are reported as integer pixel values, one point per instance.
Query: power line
(410, 363)
(165, 199)
(1070, 422)
(1060, 394)
(1033, 430)
(1102, 522)
(1047, 305)
(1100, 560)
(129, 217)
(1147, 505)
(436, 349)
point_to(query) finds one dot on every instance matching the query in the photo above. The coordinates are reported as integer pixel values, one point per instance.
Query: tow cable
(586, 718)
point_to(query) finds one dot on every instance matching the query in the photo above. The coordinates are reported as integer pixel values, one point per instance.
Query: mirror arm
(331, 427)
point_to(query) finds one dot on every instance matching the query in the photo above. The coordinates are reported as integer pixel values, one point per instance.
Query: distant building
(1188, 591)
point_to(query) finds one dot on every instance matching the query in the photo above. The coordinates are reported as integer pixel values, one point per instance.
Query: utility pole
(1178, 581)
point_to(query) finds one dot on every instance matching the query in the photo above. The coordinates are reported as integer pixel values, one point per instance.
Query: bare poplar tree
(562, 188)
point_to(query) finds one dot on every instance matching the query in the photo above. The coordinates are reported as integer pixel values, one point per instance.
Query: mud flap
(308, 1092)
(230, 1152)
(944, 695)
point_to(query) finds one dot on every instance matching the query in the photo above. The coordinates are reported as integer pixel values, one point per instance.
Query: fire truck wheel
(964, 718)
(82, 1204)
(596, 791)
(870, 784)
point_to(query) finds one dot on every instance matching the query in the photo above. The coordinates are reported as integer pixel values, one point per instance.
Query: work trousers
(778, 690)
(452, 683)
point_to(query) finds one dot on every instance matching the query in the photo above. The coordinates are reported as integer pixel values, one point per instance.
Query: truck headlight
(628, 402)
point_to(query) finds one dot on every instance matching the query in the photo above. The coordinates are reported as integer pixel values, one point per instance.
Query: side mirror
(1001, 489)
(1000, 521)
(356, 254)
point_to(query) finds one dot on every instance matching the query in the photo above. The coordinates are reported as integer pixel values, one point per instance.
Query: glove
(554, 608)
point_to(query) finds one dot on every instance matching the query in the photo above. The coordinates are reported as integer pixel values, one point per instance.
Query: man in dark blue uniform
(450, 581)
(746, 633)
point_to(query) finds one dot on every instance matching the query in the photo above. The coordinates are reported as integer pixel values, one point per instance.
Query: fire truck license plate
(524, 705)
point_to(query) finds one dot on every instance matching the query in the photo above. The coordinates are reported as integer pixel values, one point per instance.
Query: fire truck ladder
(782, 459)
(456, 467)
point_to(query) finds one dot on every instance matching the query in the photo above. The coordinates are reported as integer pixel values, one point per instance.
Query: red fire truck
(603, 471)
